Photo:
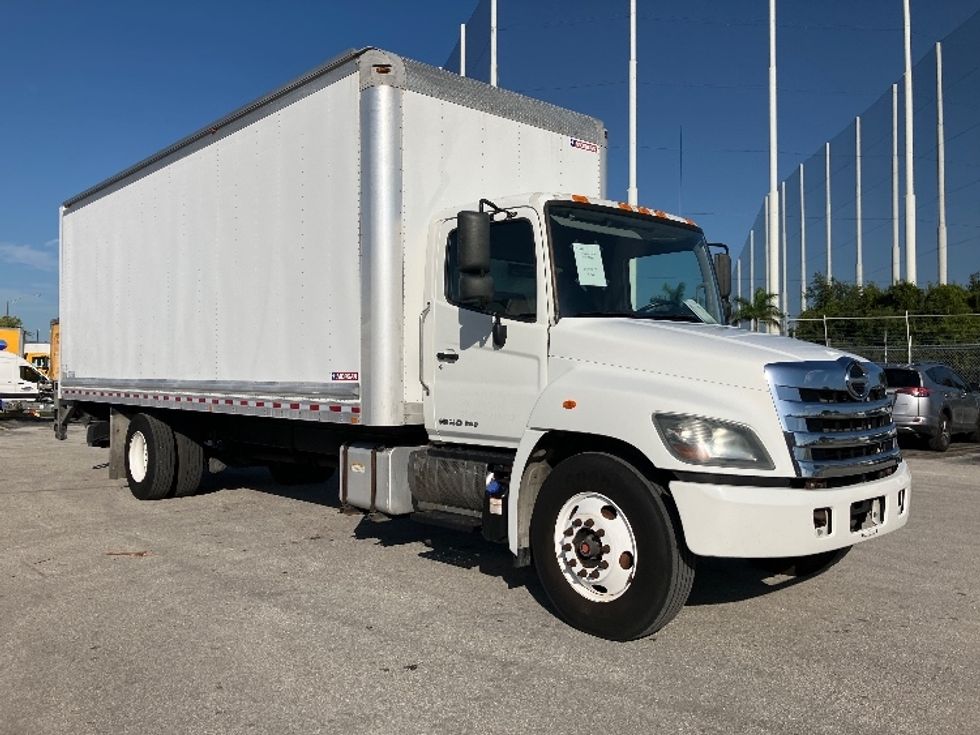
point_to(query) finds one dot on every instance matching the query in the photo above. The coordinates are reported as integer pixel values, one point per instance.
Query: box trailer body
(416, 279)
(291, 225)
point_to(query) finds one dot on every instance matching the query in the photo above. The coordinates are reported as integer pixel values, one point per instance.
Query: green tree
(761, 309)
(11, 321)
(902, 297)
(973, 291)
(946, 299)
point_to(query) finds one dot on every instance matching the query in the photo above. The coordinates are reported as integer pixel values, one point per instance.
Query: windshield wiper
(637, 315)
(674, 318)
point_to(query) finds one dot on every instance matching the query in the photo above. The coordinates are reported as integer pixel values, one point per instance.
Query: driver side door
(482, 392)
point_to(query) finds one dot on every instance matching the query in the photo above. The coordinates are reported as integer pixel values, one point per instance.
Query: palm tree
(674, 295)
(761, 310)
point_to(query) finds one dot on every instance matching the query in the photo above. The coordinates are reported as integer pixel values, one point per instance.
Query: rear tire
(598, 515)
(939, 442)
(190, 464)
(151, 457)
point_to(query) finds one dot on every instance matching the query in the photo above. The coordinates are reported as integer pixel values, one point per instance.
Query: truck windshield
(610, 263)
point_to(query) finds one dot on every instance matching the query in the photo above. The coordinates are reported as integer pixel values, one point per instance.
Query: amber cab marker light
(579, 198)
(569, 405)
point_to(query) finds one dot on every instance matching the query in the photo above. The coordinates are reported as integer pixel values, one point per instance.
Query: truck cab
(589, 337)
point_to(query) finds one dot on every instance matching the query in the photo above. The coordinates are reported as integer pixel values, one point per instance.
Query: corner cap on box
(381, 68)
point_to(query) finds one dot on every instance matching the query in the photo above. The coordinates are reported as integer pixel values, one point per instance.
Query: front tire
(151, 457)
(607, 550)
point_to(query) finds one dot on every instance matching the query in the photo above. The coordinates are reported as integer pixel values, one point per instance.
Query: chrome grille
(837, 424)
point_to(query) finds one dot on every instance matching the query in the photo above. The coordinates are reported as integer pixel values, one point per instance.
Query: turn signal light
(916, 392)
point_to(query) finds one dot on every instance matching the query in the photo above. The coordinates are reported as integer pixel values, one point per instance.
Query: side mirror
(473, 242)
(473, 257)
(475, 290)
(723, 269)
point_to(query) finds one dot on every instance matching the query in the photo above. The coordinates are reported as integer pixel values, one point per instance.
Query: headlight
(707, 441)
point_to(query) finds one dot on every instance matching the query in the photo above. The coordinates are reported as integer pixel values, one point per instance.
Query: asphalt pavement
(257, 608)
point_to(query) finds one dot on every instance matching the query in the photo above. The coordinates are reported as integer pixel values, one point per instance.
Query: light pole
(773, 277)
(631, 193)
(462, 49)
(941, 165)
(802, 245)
(493, 43)
(910, 259)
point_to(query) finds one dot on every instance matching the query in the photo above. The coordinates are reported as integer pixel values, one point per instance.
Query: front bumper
(745, 521)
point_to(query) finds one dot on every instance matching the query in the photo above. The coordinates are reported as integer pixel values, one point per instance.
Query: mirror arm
(486, 204)
(499, 332)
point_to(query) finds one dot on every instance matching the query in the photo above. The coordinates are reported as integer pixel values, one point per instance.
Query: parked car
(933, 402)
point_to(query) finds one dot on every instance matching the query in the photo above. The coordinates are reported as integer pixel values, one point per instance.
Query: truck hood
(704, 352)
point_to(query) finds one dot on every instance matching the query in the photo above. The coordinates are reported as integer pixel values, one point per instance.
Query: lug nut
(569, 531)
(577, 522)
(605, 549)
(594, 575)
(582, 573)
(603, 564)
(566, 547)
(589, 523)
(600, 532)
(573, 562)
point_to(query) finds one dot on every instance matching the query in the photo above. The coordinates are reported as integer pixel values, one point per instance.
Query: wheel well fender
(543, 452)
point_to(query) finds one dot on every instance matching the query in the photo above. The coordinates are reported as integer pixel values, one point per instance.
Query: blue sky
(90, 88)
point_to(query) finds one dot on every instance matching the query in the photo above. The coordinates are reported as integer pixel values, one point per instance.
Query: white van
(20, 382)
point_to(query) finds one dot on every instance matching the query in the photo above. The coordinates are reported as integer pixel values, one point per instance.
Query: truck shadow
(461, 549)
(716, 581)
(259, 479)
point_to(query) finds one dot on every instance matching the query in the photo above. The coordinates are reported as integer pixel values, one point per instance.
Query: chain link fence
(951, 340)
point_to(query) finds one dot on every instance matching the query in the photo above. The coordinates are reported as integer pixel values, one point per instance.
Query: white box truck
(487, 341)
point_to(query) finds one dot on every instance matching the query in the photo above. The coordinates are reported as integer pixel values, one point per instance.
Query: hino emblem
(856, 381)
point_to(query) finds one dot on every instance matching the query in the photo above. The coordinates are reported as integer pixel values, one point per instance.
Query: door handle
(447, 356)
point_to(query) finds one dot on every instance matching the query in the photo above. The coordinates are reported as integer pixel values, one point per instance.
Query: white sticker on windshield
(588, 263)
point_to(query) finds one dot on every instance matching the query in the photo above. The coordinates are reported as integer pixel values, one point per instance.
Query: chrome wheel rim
(139, 456)
(595, 547)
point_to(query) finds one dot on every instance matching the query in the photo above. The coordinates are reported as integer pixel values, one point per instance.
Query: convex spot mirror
(723, 269)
